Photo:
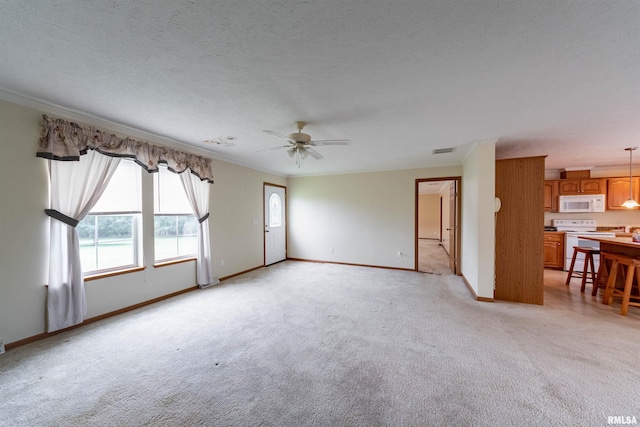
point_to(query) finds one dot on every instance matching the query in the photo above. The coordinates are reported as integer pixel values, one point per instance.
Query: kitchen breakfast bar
(619, 253)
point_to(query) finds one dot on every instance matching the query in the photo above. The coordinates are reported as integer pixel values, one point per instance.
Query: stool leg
(626, 296)
(594, 278)
(593, 272)
(611, 283)
(573, 261)
(603, 274)
(585, 269)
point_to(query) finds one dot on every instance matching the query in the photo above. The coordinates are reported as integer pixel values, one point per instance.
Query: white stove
(575, 228)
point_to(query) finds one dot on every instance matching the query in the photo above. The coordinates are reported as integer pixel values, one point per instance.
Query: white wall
(236, 199)
(24, 226)
(366, 218)
(478, 226)
(601, 171)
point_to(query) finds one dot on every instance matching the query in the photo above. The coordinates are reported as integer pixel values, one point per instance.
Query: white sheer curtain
(75, 187)
(198, 194)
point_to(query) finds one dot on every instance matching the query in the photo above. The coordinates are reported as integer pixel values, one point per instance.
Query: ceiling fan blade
(314, 153)
(273, 148)
(279, 135)
(331, 142)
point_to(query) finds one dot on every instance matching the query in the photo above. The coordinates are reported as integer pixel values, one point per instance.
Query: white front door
(275, 225)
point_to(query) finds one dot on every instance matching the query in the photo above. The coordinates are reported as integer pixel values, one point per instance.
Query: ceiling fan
(299, 144)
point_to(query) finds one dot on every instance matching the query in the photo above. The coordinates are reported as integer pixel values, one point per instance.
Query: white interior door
(275, 224)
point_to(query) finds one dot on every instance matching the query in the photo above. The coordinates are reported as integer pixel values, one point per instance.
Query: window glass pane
(115, 241)
(107, 241)
(275, 211)
(175, 236)
(87, 234)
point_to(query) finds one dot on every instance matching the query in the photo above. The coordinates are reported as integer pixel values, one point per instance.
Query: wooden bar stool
(588, 253)
(633, 266)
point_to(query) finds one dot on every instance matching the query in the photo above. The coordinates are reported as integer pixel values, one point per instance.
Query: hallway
(432, 258)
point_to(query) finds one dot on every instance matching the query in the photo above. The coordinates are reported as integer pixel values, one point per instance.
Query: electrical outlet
(399, 254)
(221, 263)
(331, 250)
(1, 347)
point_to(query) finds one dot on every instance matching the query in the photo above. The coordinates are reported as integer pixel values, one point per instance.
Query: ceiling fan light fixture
(300, 144)
(631, 203)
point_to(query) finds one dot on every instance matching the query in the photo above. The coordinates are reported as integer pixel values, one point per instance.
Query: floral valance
(64, 140)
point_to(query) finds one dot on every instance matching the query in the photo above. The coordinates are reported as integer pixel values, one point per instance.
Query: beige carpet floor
(305, 344)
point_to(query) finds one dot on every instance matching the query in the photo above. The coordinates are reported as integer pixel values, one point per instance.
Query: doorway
(437, 216)
(275, 224)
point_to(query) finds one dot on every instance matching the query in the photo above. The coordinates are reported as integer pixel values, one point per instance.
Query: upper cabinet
(551, 196)
(618, 192)
(570, 187)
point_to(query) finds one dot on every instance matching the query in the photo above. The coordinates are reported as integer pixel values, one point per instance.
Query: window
(275, 211)
(109, 234)
(175, 226)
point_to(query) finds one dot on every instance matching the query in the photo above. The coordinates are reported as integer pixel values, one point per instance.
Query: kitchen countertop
(620, 241)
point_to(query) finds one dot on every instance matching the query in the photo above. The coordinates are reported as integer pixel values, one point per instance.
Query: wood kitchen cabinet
(553, 250)
(551, 196)
(618, 192)
(571, 187)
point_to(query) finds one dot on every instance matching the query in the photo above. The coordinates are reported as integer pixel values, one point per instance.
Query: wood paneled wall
(520, 230)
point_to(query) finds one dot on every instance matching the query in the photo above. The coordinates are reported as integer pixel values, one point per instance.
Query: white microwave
(582, 203)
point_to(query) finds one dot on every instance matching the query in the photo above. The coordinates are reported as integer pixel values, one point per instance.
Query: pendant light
(631, 203)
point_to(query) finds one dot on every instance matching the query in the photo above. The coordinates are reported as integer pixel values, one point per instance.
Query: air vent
(443, 150)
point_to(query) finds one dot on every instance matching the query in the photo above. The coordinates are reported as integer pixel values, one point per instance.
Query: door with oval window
(275, 224)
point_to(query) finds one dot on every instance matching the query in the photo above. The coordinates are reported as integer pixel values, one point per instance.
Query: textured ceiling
(397, 78)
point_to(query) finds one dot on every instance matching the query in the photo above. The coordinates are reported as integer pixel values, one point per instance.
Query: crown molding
(473, 146)
(118, 128)
(93, 120)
